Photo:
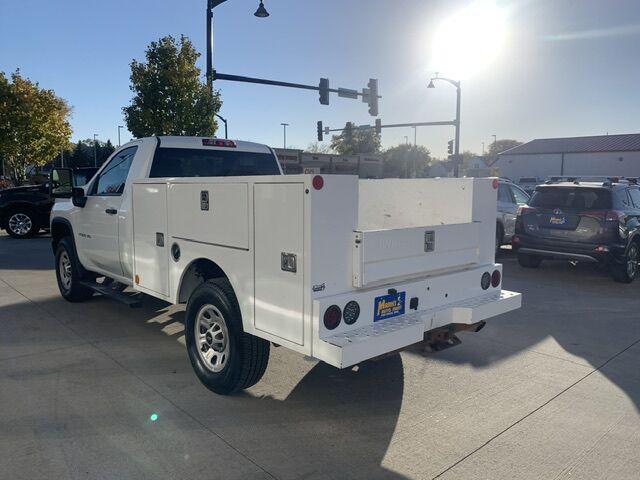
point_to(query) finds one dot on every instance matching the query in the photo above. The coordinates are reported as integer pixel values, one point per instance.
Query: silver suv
(510, 198)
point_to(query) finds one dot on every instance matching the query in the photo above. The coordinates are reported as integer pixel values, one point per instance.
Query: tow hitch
(445, 337)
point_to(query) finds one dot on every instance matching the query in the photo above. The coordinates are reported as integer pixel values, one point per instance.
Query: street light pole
(95, 151)
(224, 120)
(456, 144)
(284, 126)
(119, 127)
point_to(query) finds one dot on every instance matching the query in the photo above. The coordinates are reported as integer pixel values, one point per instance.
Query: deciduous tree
(169, 96)
(404, 159)
(34, 124)
(353, 140)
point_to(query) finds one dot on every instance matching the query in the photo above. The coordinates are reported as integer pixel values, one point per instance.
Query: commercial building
(298, 161)
(602, 155)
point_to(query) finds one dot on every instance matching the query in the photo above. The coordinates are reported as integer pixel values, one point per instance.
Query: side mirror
(78, 198)
(61, 184)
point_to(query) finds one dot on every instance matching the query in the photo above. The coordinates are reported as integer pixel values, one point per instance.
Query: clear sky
(558, 68)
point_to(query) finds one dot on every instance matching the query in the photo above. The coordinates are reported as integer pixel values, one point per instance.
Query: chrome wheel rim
(212, 338)
(20, 224)
(64, 267)
(632, 261)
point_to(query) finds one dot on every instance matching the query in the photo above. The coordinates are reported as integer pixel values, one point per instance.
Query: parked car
(25, 210)
(582, 221)
(510, 198)
(528, 184)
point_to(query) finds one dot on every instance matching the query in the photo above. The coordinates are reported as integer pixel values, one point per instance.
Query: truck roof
(196, 142)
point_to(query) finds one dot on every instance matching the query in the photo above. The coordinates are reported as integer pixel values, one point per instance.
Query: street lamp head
(261, 12)
(431, 85)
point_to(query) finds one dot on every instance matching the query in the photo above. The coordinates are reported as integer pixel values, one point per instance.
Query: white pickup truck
(336, 268)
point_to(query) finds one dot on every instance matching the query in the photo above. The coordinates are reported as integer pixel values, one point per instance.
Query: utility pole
(119, 127)
(95, 151)
(284, 127)
(456, 144)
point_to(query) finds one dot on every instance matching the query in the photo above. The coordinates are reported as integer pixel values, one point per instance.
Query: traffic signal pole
(456, 145)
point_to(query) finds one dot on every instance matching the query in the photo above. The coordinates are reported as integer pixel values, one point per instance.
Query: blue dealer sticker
(388, 306)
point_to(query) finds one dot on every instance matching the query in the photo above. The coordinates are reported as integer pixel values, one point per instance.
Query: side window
(521, 197)
(114, 175)
(634, 193)
(622, 198)
(504, 194)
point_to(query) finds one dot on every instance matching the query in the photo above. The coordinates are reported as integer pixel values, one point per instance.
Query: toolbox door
(151, 261)
(279, 252)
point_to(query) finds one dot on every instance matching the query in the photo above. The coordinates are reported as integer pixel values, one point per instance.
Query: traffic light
(324, 91)
(450, 147)
(320, 131)
(373, 97)
(378, 126)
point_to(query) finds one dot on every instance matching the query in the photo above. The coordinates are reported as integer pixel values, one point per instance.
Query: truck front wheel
(69, 273)
(224, 357)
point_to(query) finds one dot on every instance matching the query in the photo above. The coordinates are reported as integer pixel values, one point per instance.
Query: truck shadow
(575, 314)
(27, 254)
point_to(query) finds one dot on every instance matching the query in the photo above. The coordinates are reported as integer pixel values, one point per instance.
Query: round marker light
(318, 182)
(495, 278)
(332, 317)
(351, 312)
(485, 281)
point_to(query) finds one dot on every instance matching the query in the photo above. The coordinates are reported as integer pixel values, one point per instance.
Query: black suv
(582, 221)
(25, 210)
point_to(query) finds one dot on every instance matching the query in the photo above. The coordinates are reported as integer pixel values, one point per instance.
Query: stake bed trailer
(333, 267)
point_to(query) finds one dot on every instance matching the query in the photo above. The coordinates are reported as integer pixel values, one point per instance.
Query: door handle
(111, 211)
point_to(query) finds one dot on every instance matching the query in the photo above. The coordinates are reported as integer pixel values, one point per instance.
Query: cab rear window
(572, 198)
(192, 162)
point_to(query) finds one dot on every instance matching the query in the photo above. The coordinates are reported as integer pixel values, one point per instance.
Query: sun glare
(469, 40)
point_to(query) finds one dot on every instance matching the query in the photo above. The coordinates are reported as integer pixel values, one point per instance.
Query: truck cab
(102, 225)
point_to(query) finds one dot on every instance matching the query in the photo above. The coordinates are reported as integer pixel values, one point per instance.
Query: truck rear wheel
(224, 357)
(69, 273)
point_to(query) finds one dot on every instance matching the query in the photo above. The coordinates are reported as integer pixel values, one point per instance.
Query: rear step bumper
(349, 348)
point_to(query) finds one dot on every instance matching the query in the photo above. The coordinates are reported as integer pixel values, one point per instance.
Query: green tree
(317, 147)
(500, 146)
(83, 153)
(169, 96)
(34, 124)
(353, 140)
(404, 159)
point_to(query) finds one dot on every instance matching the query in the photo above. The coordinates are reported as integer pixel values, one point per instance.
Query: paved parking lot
(97, 390)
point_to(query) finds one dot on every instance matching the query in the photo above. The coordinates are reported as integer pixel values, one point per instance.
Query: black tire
(499, 237)
(245, 361)
(628, 270)
(529, 261)
(20, 223)
(69, 275)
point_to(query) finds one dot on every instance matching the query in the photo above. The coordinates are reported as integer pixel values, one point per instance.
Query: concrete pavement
(97, 390)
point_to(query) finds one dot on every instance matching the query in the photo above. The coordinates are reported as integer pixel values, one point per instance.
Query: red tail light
(495, 278)
(332, 317)
(613, 216)
(524, 209)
